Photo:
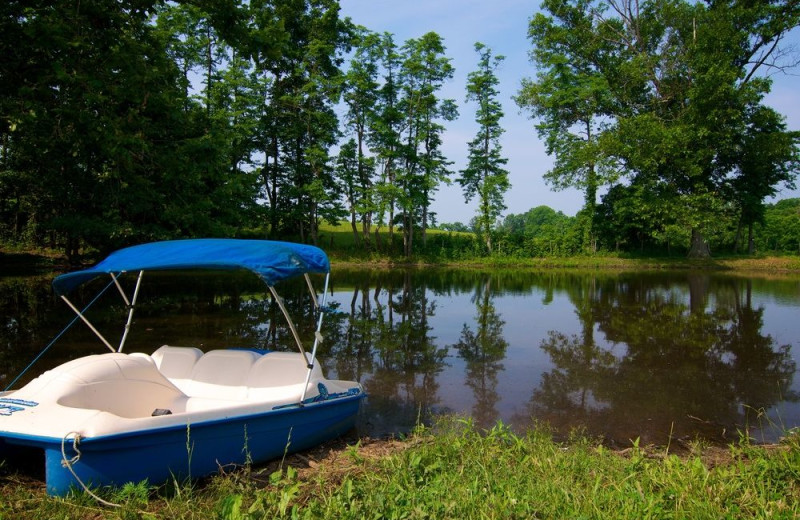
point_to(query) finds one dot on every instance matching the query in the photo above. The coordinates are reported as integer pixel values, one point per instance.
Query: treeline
(545, 232)
(137, 120)
(662, 105)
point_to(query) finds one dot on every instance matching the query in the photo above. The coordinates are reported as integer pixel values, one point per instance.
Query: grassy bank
(453, 471)
(450, 249)
(596, 262)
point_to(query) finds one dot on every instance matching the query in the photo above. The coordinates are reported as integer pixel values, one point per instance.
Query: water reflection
(654, 356)
(387, 334)
(623, 355)
(483, 349)
(684, 367)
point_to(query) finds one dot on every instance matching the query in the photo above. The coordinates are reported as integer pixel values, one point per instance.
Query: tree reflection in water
(623, 355)
(676, 366)
(483, 350)
(388, 336)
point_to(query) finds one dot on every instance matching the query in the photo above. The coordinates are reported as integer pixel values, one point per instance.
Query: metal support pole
(317, 335)
(311, 290)
(88, 324)
(279, 300)
(132, 305)
(119, 288)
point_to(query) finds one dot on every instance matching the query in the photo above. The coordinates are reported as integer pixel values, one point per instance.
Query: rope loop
(68, 463)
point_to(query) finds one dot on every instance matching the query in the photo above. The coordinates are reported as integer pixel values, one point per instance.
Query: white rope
(67, 463)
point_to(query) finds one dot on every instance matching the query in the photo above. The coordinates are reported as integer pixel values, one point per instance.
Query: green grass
(458, 249)
(454, 471)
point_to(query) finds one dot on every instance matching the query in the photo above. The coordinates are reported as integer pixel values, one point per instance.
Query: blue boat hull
(192, 450)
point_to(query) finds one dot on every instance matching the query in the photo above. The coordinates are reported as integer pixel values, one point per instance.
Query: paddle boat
(178, 412)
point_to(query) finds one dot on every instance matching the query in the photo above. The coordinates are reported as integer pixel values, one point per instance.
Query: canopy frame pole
(119, 288)
(87, 322)
(317, 334)
(279, 300)
(311, 289)
(131, 306)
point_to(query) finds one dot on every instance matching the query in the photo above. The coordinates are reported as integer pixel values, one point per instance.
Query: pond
(653, 355)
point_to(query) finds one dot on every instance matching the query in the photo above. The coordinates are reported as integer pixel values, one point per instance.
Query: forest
(138, 120)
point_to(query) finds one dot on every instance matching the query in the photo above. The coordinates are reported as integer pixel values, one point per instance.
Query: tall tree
(423, 73)
(347, 167)
(484, 175)
(571, 98)
(223, 90)
(386, 139)
(767, 155)
(94, 125)
(681, 77)
(299, 45)
(360, 96)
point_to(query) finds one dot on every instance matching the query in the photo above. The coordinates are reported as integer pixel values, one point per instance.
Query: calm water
(621, 355)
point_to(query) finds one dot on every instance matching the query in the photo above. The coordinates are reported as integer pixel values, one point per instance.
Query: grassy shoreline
(738, 264)
(48, 260)
(455, 471)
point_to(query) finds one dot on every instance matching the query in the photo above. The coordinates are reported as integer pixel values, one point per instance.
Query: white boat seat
(127, 386)
(176, 362)
(280, 377)
(280, 369)
(219, 374)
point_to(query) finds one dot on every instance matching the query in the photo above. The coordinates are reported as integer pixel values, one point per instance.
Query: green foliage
(142, 120)
(780, 231)
(133, 121)
(423, 166)
(456, 470)
(540, 232)
(667, 97)
(484, 175)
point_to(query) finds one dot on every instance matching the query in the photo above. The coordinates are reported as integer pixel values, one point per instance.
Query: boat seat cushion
(127, 386)
(176, 362)
(219, 374)
(280, 377)
(280, 369)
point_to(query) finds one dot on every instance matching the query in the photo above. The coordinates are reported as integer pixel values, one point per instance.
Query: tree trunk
(738, 239)
(354, 226)
(424, 233)
(751, 245)
(364, 185)
(699, 247)
(408, 234)
(314, 226)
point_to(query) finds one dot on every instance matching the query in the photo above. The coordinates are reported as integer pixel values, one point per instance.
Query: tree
(361, 95)
(299, 46)
(781, 227)
(572, 99)
(484, 175)
(386, 139)
(93, 127)
(768, 155)
(424, 167)
(223, 99)
(347, 167)
(681, 78)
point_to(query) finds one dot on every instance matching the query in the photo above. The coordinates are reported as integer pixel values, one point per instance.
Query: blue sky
(502, 25)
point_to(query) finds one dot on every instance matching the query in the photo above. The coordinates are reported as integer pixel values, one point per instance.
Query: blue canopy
(272, 261)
